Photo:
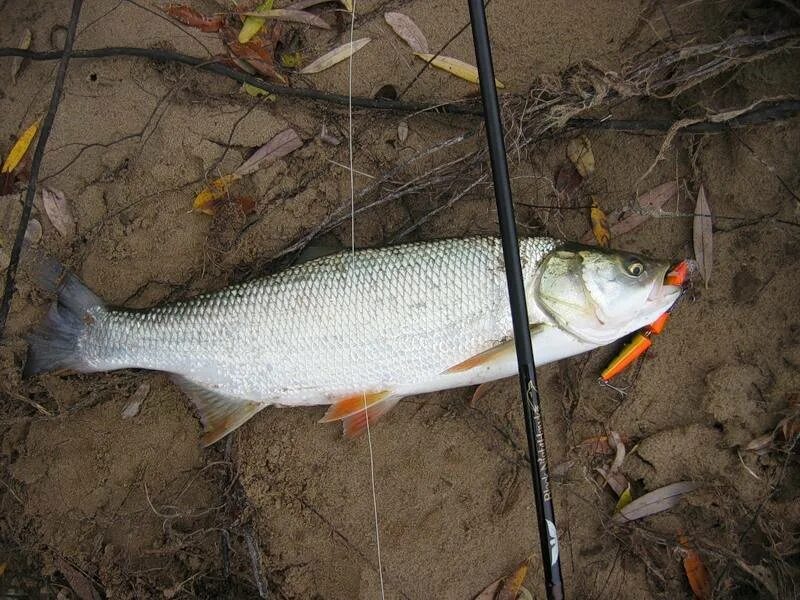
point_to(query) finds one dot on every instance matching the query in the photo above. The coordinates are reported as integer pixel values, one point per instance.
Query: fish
(359, 330)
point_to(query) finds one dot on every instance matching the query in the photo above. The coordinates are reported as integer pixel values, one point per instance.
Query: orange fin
(356, 424)
(495, 353)
(348, 405)
(219, 414)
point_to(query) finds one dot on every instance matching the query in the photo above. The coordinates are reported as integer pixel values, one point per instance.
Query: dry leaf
(599, 224)
(761, 445)
(579, 152)
(454, 66)
(479, 393)
(696, 571)
(615, 441)
(189, 16)
(58, 211)
(402, 132)
(615, 480)
(407, 30)
(285, 142)
(135, 403)
(252, 25)
(702, 235)
(335, 56)
(567, 179)
(600, 444)
(258, 53)
(247, 204)
(505, 585)
(623, 221)
(20, 147)
(625, 498)
(655, 502)
(24, 44)
(33, 232)
(256, 91)
(287, 14)
(208, 199)
(80, 584)
(292, 60)
(512, 584)
(348, 4)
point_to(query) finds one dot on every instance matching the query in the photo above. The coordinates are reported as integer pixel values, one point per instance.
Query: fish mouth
(672, 284)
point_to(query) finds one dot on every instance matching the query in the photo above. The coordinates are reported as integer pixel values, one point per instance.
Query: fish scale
(372, 319)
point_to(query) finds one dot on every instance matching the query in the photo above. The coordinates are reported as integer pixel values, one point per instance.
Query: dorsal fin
(219, 414)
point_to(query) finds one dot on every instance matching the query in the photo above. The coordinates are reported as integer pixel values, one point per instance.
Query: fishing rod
(548, 536)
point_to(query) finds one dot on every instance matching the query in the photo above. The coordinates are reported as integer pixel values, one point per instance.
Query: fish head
(600, 295)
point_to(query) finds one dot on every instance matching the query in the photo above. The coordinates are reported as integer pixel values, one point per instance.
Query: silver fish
(358, 331)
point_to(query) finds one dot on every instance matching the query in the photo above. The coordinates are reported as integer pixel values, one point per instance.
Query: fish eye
(634, 267)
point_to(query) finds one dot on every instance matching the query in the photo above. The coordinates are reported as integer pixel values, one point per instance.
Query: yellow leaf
(252, 25)
(625, 498)
(256, 91)
(512, 585)
(292, 60)
(19, 149)
(454, 66)
(579, 151)
(206, 201)
(348, 4)
(599, 224)
(335, 56)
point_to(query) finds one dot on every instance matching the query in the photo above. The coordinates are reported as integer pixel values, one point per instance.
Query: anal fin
(356, 424)
(353, 403)
(219, 414)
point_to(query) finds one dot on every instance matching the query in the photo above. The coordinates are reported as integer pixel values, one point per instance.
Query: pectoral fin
(353, 403)
(500, 352)
(219, 414)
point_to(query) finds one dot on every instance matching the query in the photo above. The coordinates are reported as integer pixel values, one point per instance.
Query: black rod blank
(548, 537)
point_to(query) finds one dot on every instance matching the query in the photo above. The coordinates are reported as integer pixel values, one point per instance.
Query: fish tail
(54, 344)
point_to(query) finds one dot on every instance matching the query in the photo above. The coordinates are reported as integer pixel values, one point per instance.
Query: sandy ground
(140, 510)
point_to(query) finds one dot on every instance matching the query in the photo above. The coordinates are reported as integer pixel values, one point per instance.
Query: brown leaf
(24, 44)
(80, 584)
(284, 143)
(407, 30)
(58, 211)
(567, 179)
(696, 571)
(600, 444)
(191, 17)
(247, 204)
(702, 232)
(656, 501)
(259, 52)
(599, 224)
(623, 221)
(615, 480)
(480, 393)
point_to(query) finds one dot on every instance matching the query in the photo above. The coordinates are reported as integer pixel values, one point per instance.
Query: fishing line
(350, 272)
